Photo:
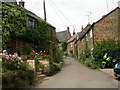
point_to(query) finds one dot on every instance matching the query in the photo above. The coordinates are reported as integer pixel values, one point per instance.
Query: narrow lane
(76, 75)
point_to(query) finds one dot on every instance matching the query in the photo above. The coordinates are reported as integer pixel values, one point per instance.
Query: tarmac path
(76, 75)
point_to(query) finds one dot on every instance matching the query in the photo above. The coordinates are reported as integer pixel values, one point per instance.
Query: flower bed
(16, 72)
(13, 62)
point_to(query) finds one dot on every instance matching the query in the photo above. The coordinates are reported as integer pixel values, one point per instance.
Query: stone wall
(107, 27)
(90, 41)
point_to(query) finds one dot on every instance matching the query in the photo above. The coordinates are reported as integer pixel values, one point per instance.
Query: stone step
(39, 78)
(39, 73)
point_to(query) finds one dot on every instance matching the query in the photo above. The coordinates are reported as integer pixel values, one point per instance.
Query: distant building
(63, 36)
(84, 39)
(71, 44)
(106, 28)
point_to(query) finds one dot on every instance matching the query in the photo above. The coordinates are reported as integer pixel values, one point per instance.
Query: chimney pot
(22, 3)
(68, 28)
(74, 33)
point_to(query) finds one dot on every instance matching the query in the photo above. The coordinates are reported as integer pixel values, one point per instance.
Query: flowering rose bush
(33, 54)
(13, 62)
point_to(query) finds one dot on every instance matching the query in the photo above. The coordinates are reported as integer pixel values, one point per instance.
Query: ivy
(14, 27)
(13, 22)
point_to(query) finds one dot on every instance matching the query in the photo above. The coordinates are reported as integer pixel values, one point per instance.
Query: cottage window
(91, 33)
(30, 22)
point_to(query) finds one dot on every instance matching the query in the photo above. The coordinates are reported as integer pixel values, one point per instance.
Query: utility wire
(63, 14)
(57, 13)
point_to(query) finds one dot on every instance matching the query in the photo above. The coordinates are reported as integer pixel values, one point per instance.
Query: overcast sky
(76, 11)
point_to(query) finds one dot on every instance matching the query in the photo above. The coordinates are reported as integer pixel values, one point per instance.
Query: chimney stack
(119, 4)
(74, 32)
(68, 29)
(22, 3)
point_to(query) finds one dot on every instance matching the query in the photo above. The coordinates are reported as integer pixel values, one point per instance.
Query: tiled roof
(72, 38)
(80, 35)
(61, 36)
(9, 1)
(27, 11)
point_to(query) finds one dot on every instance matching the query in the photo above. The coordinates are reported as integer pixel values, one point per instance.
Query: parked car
(117, 70)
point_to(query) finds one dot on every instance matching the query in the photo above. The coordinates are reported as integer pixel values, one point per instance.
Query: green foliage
(76, 51)
(56, 62)
(13, 22)
(38, 65)
(13, 62)
(23, 57)
(14, 27)
(111, 47)
(82, 55)
(57, 55)
(64, 46)
(27, 50)
(17, 79)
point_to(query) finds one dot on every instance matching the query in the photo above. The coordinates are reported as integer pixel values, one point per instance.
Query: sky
(71, 13)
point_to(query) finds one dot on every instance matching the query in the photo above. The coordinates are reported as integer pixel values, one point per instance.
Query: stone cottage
(63, 36)
(84, 39)
(31, 22)
(71, 44)
(108, 27)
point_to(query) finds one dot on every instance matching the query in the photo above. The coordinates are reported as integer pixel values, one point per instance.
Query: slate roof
(31, 14)
(80, 35)
(61, 36)
(72, 38)
(9, 1)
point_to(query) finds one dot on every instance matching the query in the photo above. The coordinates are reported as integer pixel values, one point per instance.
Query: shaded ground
(76, 75)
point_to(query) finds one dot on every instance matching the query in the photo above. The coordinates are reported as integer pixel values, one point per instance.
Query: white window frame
(91, 33)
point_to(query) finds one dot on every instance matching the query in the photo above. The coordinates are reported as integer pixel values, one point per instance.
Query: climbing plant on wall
(14, 27)
(13, 22)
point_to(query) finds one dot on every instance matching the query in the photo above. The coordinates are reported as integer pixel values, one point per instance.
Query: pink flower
(4, 51)
(18, 66)
(10, 62)
(5, 62)
(14, 56)
(18, 62)
(3, 54)
(10, 55)
(7, 57)
(19, 58)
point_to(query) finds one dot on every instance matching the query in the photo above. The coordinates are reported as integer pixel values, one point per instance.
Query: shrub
(112, 48)
(64, 46)
(38, 65)
(13, 62)
(24, 58)
(17, 79)
(27, 50)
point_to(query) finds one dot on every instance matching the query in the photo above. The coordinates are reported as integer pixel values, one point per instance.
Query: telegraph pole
(44, 10)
